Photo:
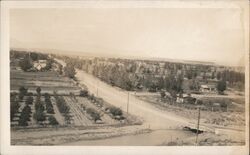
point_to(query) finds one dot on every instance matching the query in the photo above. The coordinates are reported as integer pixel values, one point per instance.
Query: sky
(207, 34)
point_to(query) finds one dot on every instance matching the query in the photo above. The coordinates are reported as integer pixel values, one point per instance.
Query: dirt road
(125, 100)
(152, 116)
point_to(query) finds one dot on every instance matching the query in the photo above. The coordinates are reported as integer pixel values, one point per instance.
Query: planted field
(85, 104)
(49, 110)
(37, 100)
(33, 111)
(48, 81)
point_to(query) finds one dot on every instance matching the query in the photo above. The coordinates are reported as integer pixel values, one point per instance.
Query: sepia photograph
(127, 75)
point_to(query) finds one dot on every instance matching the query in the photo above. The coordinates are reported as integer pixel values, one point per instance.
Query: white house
(40, 64)
(208, 88)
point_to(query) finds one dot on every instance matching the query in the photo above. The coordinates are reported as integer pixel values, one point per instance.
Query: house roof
(208, 86)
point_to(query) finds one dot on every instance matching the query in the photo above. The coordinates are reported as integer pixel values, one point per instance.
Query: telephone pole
(198, 125)
(128, 102)
(97, 88)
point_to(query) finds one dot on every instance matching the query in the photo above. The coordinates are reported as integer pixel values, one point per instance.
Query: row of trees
(39, 114)
(26, 112)
(48, 104)
(14, 105)
(25, 116)
(231, 76)
(119, 76)
(64, 109)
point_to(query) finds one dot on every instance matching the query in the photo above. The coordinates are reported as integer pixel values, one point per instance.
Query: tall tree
(221, 86)
(25, 64)
(69, 71)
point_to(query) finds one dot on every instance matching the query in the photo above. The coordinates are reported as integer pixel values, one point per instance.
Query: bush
(39, 107)
(115, 111)
(14, 106)
(52, 120)
(39, 116)
(22, 122)
(84, 93)
(26, 110)
(163, 94)
(25, 116)
(49, 106)
(22, 92)
(29, 94)
(46, 95)
(62, 105)
(94, 114)
(190, 100)
(92, 97)
(29, 100)
(38, 90)
(50, 109)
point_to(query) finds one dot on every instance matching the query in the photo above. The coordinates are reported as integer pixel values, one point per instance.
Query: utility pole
(97, 88)
(198, 125)
(128, 102)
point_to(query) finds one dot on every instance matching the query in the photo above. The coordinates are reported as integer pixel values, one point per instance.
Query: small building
(185, 98)
(208, 88)
(40, 64)
(216, 107)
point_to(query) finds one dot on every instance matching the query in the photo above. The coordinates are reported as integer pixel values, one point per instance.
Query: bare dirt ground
(234, 118)
(61, 135)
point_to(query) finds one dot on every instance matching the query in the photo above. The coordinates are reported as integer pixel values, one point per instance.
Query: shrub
(49, 106)
(115, 111)
(83, 107)
(25, 116)
(29, 94)
(14, 106)
(61, 104)
(163, 94)
(92, 97)
(190, 100)
(50, 109)
(84, 93)
(26, 110)
(52, 120)
(39, 107)
(38, 90)
(39, 116)
(22, 92)
(29, 100)
(46, 95)
(94, 114)
(22, 122)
